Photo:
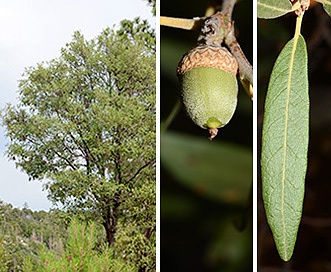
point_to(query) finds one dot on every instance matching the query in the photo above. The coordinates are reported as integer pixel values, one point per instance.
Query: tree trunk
(110, 219)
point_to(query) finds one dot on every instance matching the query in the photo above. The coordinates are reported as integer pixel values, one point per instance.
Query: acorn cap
(208, 56)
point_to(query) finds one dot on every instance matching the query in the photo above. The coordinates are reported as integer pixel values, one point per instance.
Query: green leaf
(267, 9)
(210, 168)
(285, 144)
(326, 5)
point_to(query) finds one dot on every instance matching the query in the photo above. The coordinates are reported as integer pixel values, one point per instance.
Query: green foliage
(137, 232)
(285, 144)
(24, 232)
(54, 246)
(152, 3)
(3, 256)
(85, 124)
(137, 32)
(80, 254)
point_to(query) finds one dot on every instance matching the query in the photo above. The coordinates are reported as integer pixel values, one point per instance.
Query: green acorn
(209, 86)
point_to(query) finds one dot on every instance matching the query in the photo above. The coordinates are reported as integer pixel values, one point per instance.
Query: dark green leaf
(221, 171)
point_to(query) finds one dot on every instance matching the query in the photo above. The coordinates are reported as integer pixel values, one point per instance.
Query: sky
(34, 31)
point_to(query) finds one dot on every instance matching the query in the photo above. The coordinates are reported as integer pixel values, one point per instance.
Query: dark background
(313, 248)
(201, 229)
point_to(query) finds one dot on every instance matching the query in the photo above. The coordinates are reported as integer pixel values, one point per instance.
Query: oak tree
(85, 126)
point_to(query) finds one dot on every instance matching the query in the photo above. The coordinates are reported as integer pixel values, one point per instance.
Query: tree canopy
(152, 3)
(85, 125)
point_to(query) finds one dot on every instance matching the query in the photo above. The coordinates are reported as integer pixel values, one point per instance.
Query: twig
(227, 7)
(245, 68)
(215, 30)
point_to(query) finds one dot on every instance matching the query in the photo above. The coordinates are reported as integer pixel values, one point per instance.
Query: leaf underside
(267, 9)
(285, 145)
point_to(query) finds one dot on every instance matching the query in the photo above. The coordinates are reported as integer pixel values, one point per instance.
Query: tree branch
(70, 164)
(141, 168)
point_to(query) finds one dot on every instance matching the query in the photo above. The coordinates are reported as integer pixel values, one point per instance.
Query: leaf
(267, 9)
(285, 144)
(326, 5)
(209, 168)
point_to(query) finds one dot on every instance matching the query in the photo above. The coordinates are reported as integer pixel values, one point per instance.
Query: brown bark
(110, 219)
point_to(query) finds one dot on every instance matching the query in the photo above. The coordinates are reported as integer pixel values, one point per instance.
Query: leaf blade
(285, 145)
(210, 169)
(267, 9)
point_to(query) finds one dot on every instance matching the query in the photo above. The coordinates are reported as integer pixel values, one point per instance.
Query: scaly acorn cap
(208, 56)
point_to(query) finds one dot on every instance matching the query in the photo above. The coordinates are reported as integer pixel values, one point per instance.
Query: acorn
(207, 75)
